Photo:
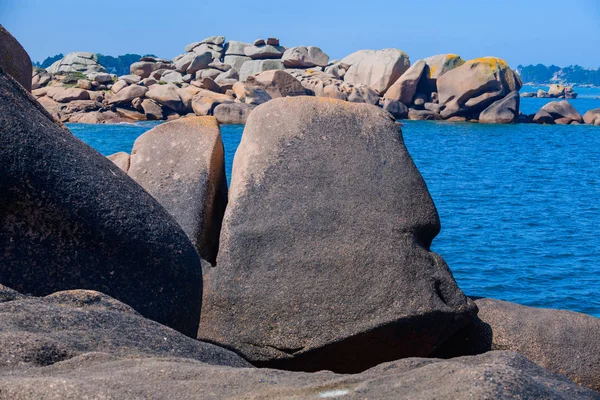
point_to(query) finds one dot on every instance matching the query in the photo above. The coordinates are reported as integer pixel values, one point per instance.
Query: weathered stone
(404, 89)
(152, 110)
(217, 64)
(543, 117)
(556, 90)
(171, 77)
(254, 67)
(356, 57)
(338, 238)
(37, 332)
(437, 66)
(396, 108)
(503, 111)
(494, 375)
(236, 61)
(205, 101)
(304, 57)
(127, 94)
(564, 342)
(84, 84)
(102, 77)
(475, 85)
(591, 116)
(234, 47)
(246, 93)
(166, 95)
(215, 51)
(211, 73)
(562, 109)
(40, 78)
(193, 62)
(324, 85)
(273, 41)
(83, 62)
(209, 84)
(130, 114)
(181, 164)
(144, 69)
(422, 115)
(120, 84)
(78, 222)
(14, 60)
(121, 160)
(232, 113)
(378, 70)
(66, 95)
(82, 106)
(130, 79)
(278, 84)
(264, 52)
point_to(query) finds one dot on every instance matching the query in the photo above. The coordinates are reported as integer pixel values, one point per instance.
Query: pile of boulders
(145, 278)
(556, 91)
(228, 79)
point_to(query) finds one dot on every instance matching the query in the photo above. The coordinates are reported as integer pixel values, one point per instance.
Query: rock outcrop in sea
(228, 79)
(323, 264)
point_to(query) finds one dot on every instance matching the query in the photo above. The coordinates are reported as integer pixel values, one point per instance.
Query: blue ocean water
(519, 204)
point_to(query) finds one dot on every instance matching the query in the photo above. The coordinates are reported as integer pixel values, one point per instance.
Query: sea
(519, 204)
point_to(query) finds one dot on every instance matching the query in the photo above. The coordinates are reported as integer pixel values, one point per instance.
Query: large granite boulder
(437, 66)
(167, 96)
(405, 88)
(43, 331)
(278, 84)
(496, 375)
(40, 78)
(228, 113)
(592, 117)
(264, 51)
(14, 60)
(190, 63)
(562, 110)
(254, 67)
(324, 258)
(473, 86)
(126, 94)
(78, 222)
(180, 163)
(357, 56)
(304, 57)
(378, 70)
(564, 342)
(503, 111)
(84, 62)
(147, 65)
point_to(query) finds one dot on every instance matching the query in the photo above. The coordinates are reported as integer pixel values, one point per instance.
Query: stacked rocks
(265, 55)
(558, 112)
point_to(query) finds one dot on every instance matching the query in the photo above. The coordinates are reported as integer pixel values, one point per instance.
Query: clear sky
(561, 32)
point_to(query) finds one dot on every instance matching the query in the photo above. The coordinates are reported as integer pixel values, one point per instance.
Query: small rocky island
(228, 79)
(311, 276)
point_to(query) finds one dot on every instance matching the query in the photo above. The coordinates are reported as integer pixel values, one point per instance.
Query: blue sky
(522, 32)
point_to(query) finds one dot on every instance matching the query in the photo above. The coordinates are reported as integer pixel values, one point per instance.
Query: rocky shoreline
(228, 79)
(144, 276)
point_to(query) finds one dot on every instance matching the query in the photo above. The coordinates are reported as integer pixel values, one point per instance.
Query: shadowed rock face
(181, 164)
(71, 219)
(14, 60)
(324, 258)
(496, 375)
(42, 331)
(564, 342)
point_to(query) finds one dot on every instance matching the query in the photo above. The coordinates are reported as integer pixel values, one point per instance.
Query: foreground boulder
(181, 164)
(378, 70)
(14, 60)
(71, 219)
(564, 342)
(496, 375)
(472, 87)
(43, 331)
(324, 258)
(503, 111)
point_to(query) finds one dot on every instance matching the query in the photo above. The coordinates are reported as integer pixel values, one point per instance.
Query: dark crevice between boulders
(367, 349)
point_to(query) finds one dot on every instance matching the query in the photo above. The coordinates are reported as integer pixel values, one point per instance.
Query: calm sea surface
(519, 204)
